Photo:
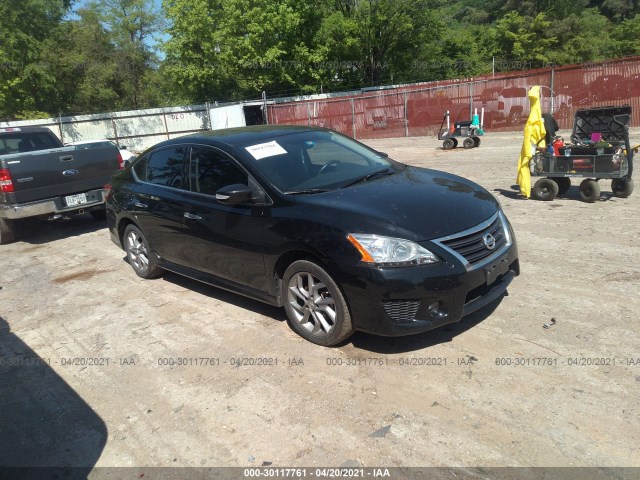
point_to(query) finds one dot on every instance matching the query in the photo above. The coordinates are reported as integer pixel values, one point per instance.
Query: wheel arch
(122, 226)
(293, 255)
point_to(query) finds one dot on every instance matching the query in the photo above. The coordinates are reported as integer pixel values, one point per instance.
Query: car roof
(233, 137)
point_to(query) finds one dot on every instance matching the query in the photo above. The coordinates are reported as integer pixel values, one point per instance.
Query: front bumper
(50, 206)
(404, 301)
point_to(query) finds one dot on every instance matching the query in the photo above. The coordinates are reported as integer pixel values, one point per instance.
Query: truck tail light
(6, 183)
(108, 191)
(500, 105)
(120, 161)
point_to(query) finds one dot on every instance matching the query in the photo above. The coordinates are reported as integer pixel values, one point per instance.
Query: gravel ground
(99, 382)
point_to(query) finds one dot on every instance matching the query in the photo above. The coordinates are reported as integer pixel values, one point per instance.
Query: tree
(585, 37)
(380, 40)
(81, 60)
(523, 40)
(24, 26)
(237, 48)
(625, 36)
(133, 26)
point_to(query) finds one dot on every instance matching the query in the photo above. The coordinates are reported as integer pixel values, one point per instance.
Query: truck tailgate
(62, 171)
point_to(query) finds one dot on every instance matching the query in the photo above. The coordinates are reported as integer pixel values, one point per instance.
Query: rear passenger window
(165, 167)
(140, 168)
(211, 170)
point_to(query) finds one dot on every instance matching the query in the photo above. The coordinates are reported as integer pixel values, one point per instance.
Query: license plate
(494, 270)
(73, 200)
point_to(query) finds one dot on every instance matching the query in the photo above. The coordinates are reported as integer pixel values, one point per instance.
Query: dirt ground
(103, 369)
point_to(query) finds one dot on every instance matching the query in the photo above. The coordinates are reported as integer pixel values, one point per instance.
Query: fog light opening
(437, 311)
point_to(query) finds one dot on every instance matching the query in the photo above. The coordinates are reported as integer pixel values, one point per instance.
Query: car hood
(417, 204)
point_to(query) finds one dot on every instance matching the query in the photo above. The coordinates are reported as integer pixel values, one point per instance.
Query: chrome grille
(401, 310)
(470, 245)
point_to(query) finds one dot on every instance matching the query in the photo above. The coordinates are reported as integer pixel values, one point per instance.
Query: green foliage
(239, 48)
(104, 57)
(524, 39)
(586, 37)
(24, 25)
(626, 37)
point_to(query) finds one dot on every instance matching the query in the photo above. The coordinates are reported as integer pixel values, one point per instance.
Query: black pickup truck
(39, 177)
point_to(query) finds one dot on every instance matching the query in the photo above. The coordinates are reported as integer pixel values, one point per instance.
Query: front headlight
(392, 252)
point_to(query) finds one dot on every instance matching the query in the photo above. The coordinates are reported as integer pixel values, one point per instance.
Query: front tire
(448, 144)
(139, 253)
(315, 306)
(545, 189)
(468, 143)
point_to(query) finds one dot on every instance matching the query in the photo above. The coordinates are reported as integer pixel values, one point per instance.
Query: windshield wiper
(369, 176)
(307, 191)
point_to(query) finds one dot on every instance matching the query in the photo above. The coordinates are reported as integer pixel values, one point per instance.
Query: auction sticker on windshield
(264, 150)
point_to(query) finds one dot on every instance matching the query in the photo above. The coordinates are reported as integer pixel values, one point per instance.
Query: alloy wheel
(312, 304)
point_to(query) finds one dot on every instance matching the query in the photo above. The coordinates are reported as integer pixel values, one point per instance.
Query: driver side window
(210, 170)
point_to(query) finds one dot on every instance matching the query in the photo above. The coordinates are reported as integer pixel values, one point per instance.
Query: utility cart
(599, 149)
(469, 130)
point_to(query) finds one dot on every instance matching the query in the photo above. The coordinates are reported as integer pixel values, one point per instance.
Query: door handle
(140, 205)
(66, 158)
(192, 216)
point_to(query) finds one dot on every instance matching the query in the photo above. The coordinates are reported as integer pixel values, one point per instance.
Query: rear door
(158, 200)
(223, 240)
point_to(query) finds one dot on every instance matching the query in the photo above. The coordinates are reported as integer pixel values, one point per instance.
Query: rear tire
(139, 254)
(315, 306)
(468, 143)
(7, 231)
(589, 191)
(476, 141)
(564, 184)
(622, 187)
(545, 189)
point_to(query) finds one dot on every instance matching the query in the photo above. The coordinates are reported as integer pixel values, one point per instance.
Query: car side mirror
(234, 194)
(123, 147)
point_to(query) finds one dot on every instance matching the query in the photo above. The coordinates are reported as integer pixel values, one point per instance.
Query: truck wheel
(564, 184)
(545, 189)
(476, 141)
(139, 254)
(622, 187)
(448, 144)
(468, 143)
(315, 306)
(589, 190)
(455, 142)
(7, 231)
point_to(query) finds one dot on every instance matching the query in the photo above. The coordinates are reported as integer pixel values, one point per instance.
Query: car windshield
(317, 161)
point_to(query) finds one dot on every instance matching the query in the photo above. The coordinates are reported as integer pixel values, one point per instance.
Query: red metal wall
(419, 109)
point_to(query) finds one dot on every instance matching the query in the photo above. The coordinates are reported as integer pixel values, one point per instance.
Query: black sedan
(339, 234)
